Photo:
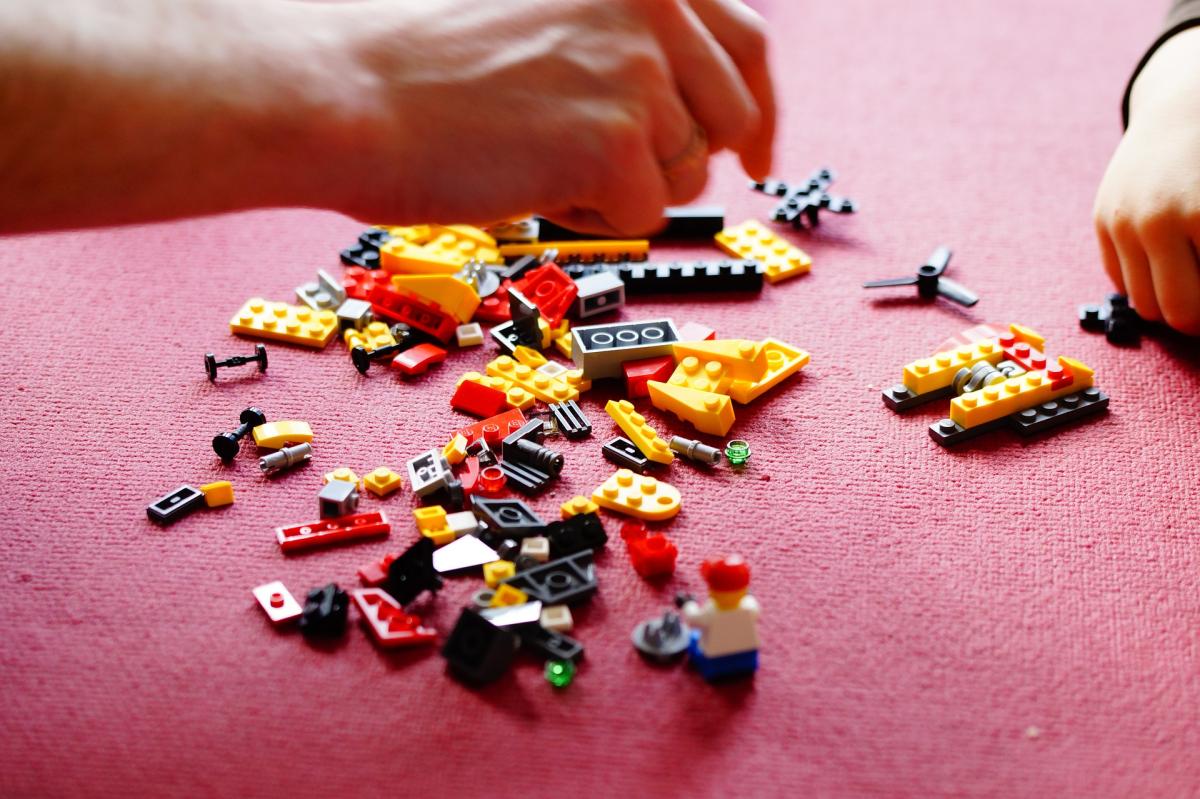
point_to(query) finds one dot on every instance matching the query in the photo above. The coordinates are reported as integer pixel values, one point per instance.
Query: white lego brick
(536, 547)
(469, 335)
(464, 522)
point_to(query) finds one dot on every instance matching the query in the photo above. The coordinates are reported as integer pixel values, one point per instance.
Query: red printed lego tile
(332, 531)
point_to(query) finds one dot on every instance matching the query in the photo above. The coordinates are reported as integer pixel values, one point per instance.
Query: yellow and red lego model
(1004, 379)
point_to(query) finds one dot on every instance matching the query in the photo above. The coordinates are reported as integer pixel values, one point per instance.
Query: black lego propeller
(930, 282)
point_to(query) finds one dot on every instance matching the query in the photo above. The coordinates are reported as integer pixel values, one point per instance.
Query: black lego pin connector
(211, 364)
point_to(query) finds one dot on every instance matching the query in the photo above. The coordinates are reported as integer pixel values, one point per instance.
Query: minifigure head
(727, 578)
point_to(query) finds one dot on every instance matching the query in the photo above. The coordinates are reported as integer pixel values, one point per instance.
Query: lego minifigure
(724, 640)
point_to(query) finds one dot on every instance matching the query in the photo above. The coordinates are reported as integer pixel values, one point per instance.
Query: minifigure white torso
(725, 632)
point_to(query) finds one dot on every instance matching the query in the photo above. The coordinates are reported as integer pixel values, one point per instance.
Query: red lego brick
(469, 475)
(494, 307)
(653, 555)
(494, 428)
(359, 282)
(374, 574)
(638, 373)
(478, 399)
(694, 331)
(549, 288)
(405, 306)
(387, 622)
(417, 360)
(331, 531)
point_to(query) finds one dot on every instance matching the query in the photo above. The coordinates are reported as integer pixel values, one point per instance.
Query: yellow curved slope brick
(752, 240)
(643, 435)
(277, 435)
(636, 495)
(294, 324)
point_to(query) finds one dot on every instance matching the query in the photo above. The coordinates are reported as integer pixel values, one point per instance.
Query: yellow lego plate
(752, 240)
(635, 495)
(279, 321)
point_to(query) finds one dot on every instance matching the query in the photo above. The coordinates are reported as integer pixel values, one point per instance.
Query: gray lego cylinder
(285, 458)
(695, 450)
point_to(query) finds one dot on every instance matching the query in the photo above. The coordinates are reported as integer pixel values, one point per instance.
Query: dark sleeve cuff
(1185, 14)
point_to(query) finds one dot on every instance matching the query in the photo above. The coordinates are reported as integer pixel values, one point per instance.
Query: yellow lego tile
(370, 338)
(277, 435)
(637, 495)
(398, 256)
(514, 395)
(698, 375)
(753, 240)
(278, 321)
(431, 522)
(450, 294)
(634, 425)
(529, 357)
(783, 361)
(742, 359)
(1016, 394)
(704, 410)
(544, 388)
(498, 570)
(382, 481)
(218, 493)
(509, 595)
(455, 452)
(585, 251)
(342, 473)
(577, 505)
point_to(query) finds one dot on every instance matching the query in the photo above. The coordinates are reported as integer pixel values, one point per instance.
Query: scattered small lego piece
(494, 428)
(638, 373)
(478, 651)
(930, 281)
(546, 389)
(449, 293)
(455, 452)
(695, 450)
(527, 479)
(469, 335)
(431, 522)
(428, 472)
(579, 532)
(354, 314)
(277, 602)
(211, 364)
(707, 411)
(364, 253)
(570, 421)
(643, 497)
(634, 425)
(524, 447)
(662, 639)
(332, 531)
(325, 611)
(417, 360)
(412, 573)
(217, 494)
(536, 547)
(724, 637)
(508, 517)
(227, 445)
(466, 552)
(651, 555)
(751, 240)
(737, 452)
(382, 481)
(803, 202)
(554, 646)
(599, 350)
(387, 623)
(625, 453)
(1119, 322)
(498, 570)
(577, 505)
(282, 322)
(285, 458)
(478, 399)
(492, 481)
(550, 290)
(374, 336)
(564, 581)
(598, 293)
(344, 473)
(362, 358)
(506, 594)
(323, 294)
(277, 435)
(512, 615)
(557, 618)
(174, 506)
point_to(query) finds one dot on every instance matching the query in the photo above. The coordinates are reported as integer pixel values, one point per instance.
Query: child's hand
(1148, 206)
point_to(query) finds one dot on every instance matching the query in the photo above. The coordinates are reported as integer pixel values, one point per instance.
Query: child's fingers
(1176, 277)
(1135, 273)
(1108, 253)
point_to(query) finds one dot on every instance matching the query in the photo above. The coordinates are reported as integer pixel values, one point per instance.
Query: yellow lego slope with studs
(937, 371)
(451, 294)
(783, 361)
(752, 240)
(294, 324)
(704, 410)
(1016, 394)
(633, 424)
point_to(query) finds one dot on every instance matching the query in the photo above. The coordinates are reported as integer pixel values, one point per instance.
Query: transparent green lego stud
(559, 673)
(738, 452)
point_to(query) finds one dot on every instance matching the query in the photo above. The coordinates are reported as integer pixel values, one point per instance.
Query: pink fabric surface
(1009, 619)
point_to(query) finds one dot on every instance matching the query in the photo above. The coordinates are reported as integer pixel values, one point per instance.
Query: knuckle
(1181, 312)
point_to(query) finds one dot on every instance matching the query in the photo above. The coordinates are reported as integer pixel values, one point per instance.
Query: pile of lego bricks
(406, 294)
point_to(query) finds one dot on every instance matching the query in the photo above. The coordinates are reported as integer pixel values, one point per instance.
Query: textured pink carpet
(1011, 619)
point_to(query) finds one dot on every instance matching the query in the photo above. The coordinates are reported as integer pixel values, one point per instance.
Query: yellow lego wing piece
(783, 361)
(636, 495)
(704, 410)
(634, 425)
(398, 256)
(742, 359)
